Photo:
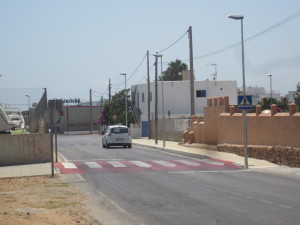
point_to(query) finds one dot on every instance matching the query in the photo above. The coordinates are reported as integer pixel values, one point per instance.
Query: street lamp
(240, 17)
(270, 75)
(28, 96)
(125, 97)
(162, 96)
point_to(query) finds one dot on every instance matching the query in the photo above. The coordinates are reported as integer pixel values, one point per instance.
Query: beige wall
(24, 149)
(223, 124)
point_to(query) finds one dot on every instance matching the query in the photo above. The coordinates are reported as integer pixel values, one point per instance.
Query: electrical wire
(271, 28)
(173, 43)
(146, 75)
(99, 93)
(133, 72)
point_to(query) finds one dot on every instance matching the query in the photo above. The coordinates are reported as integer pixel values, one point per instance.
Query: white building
(291, 96)
(177, 103)
(260, 92)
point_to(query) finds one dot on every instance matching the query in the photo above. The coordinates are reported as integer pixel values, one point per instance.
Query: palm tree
(174, 71)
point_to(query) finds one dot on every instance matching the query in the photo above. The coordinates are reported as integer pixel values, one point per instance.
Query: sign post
(244, 104)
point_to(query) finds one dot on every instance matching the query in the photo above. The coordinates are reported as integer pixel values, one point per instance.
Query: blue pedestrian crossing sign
(244, 102)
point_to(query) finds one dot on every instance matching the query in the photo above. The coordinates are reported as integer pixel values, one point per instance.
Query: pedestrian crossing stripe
(141, 164)
(69, 165)
(116, 164)
(136, 165)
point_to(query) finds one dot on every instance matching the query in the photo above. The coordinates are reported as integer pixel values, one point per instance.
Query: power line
(146, 74)
(271, 28)
(99, 93)
(173, 43)
(133, 72)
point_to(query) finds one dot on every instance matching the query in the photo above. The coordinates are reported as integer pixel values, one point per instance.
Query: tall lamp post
(162, 97)
(270, 75)
(240, 17)
(125, 97)
(28, 96)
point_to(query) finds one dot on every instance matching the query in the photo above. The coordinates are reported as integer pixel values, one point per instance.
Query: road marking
(187, 162)
(141, 164)
(80, 177)
(92, 165)
(164, 163)
(62, 157)
(69, 165)
(266, 201)
(211, 162)
(116, 164)
(285, 206)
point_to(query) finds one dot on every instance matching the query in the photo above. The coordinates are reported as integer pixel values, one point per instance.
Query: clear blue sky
(71, 46)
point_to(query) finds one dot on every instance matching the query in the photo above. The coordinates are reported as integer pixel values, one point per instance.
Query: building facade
(177, 102)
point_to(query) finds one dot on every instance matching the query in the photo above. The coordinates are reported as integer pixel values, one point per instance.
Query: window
(119, 130)
(201, 93)
(143, 97)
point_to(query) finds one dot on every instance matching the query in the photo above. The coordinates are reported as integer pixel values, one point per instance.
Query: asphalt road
(170, 197)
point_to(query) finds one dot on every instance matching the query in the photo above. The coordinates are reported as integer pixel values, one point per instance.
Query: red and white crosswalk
(137, 165)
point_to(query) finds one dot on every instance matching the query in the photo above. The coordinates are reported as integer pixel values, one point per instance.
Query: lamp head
(157, 55)
(236, 17)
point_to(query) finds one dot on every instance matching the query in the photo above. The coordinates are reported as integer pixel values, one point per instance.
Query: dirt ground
(41, 200)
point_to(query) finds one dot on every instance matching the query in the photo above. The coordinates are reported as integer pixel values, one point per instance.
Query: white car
(117, 135)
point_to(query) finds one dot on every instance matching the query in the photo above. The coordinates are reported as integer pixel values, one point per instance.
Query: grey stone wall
(24, 149)
(174, 129)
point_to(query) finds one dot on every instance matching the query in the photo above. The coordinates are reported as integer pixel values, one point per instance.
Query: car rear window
(119, 130)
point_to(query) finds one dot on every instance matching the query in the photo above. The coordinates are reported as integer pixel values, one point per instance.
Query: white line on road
(63, 158)
(285, 206)
(141, 164)
(92, 165)
(187, 162)
(266, 201)
(165, 163)
(116, 164)
(69, 165)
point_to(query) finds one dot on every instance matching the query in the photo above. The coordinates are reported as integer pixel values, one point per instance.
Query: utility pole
(109, 90)
(148, 82)
(91, 113)
(191, 72)
(156, 101)
(101, 109)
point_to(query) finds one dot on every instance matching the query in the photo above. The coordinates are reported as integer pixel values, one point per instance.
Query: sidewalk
(28, 170)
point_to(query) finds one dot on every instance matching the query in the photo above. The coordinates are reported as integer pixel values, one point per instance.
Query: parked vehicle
(14, 115)
(5, 124)
(117, 135)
